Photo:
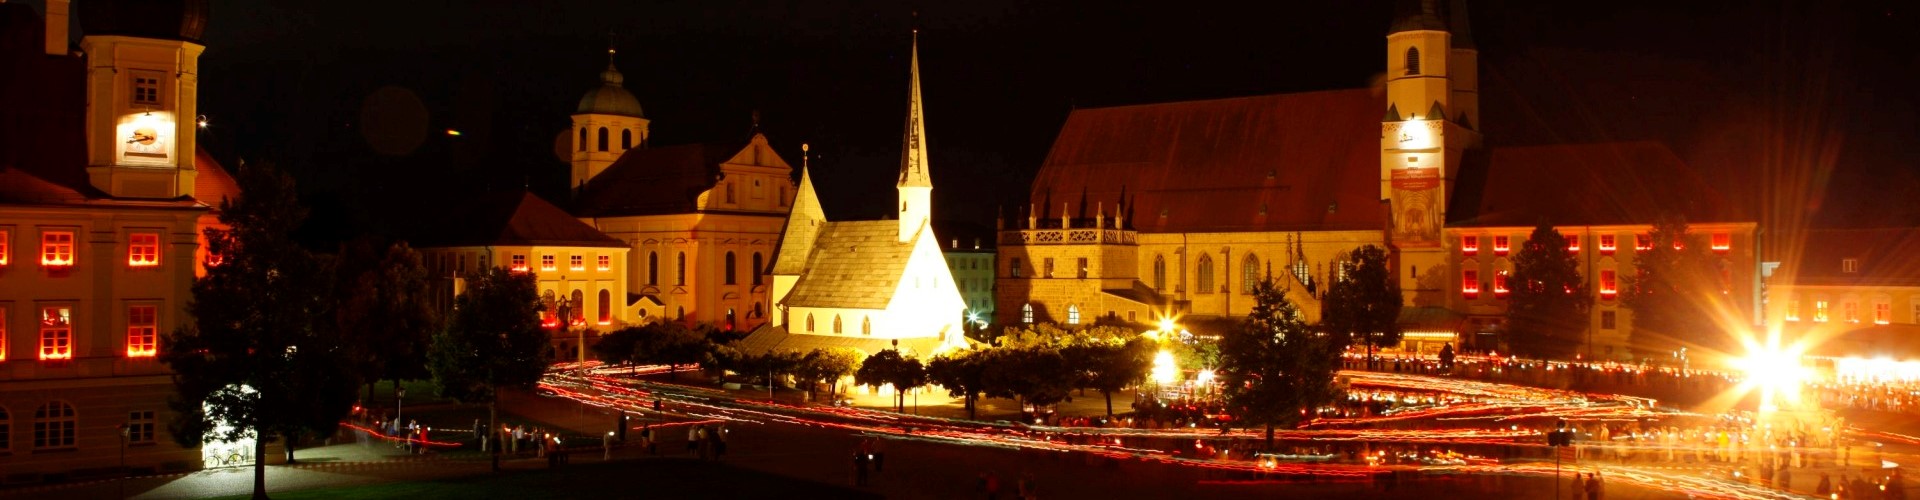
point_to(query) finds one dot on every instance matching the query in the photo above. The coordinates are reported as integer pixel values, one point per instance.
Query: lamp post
(400, 407)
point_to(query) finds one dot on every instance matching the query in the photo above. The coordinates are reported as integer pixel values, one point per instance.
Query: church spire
(916, 184)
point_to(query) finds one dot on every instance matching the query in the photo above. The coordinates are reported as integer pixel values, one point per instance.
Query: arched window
(757, 312)
(583, 138)
(550, 316)
(653, 268)
(757, 271)
(1073, 314)
(576, 316)
(603, 138)
(626, 139)
(680, 313)
(606, 306)
(53, 426)
(1026, 313)
(680, 271)
(730, 266)
(810, 322)
(730, 318)
(1159, 272)
(1204, 275)
(1413, 60)
(866, 325)
(1249, 274)
(836, 323)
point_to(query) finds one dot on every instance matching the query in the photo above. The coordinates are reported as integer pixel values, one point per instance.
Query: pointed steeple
(916, 184)
(803, 225)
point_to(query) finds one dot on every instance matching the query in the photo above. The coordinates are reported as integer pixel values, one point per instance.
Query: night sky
(1805, 93)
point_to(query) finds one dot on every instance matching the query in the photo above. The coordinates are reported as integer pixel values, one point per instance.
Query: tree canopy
(1547, 313)
(889, 367)
(384, 312)
(493, 341)
(1676, 292)
(1364, 306)
(1275, 368)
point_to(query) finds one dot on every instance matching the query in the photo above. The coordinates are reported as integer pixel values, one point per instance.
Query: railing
(1085, 236)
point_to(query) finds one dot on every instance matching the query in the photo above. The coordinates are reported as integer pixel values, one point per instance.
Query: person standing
(693, 438)
(1825, 488)
(879, 455)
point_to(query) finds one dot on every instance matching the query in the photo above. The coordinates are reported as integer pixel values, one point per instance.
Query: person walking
(859, 468)
(719, 442)
(1825, 488)
(693, 438)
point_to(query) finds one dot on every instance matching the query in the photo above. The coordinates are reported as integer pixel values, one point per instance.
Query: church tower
(916, 184)
(606, 125)
(143, 76)
(1432, 103)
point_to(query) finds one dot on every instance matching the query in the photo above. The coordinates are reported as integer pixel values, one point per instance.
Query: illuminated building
(1179, 208)
(104, 196)
(1858, 289)
(870, 284)
(970, 259)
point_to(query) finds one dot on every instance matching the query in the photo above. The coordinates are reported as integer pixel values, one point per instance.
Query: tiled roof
(1303, 161)
(804, 224)
(769, 338)
(854, 265)
(656, 180)
(212, 184)
(1885, 257)
(513, 218)
(1588, 184)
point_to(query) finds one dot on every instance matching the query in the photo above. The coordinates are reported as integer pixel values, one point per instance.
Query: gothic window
(1250, 274)
(810, 322)
(757, 271)
(1204, 273)
(1026, 314)
(1413, 60)
(836, 323)
(653, 268)
(603, 138)
(866, 325)
(729, 269)
(626, 139)
(680, 270)
(1073, 314)
(1159, 272)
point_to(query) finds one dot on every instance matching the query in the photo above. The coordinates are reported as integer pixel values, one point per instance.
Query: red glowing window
(142, 331)
(1573, 243)
(577, 262)
(1882, 313)
(1609, 284)
(56, 333)
(56, 249)
(143, 250)
(1642, 242)
(1500, 245)
(1470, 284)
(606, 263)
(1722, 242)
(1500, 285)
(3, 334)
(3, 248)
(1606, 244)
(1469, 245)
(546, 262)
(519, 263)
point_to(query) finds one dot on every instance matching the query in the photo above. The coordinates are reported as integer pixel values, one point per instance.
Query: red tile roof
(514, 218)
(212, 184)
(1303, 161)
(1885, 257)
(1588, 184)
(656, 180)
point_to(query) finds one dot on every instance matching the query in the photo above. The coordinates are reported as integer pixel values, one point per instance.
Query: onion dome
(611, 97)
(163, 19)
(1418, 15)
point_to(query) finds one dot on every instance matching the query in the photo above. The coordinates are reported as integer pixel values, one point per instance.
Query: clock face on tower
(145, 142)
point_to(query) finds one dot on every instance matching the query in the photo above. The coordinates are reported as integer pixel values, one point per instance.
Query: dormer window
(1849, 265)
(1413, 60)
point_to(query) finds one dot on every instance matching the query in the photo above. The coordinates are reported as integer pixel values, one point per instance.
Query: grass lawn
(669, 478)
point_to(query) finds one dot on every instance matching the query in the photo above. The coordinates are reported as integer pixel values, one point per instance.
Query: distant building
(1858, 290)
(870, 285)
(970, 259)
(104, 200)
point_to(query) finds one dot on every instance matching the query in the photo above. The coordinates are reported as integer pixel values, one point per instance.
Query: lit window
(140, 426)
(577, 262)
(1849, 265)
(56, 249)
(1470, 284)
(1073, 314)
(146, 88)
(141, 331)
(606, 307)
(1573, 243)
(1609, 284)
(1793, 308)
(606, 262)
(1882, 313)
(56, 333)
(1500, 245)
(1852, 310)
(1026, 314)
(53, 426)
(518, 263)
(1722, 242)
(143, 250)
(1820, 311)
(1606, 244)
(546, 262)
(1500, 285)
(3, 338)
(1642, 242)
(4, 254)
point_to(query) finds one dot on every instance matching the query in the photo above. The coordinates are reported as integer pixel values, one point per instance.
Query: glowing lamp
(1415, 134)
(1164, 371)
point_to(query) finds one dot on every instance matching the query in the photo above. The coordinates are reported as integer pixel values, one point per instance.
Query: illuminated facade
(104, 198)
(1859, 289)
(971, 262)
(1177, 209)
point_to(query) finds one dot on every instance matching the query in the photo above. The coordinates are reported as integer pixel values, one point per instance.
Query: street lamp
(400, 407)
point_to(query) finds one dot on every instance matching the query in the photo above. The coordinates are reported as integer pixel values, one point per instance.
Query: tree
(258, 354)
(963, 374)
(1274, 368)
(493, 341)
(829, 366)
(1548, 310)
(384, 313)
(1676, 291)
(889, 367)
(664, 343)
(1118, 365)
(1034, 375)
(1364, 307)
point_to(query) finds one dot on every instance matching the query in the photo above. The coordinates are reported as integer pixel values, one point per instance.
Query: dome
(164, 19)
(611, 97)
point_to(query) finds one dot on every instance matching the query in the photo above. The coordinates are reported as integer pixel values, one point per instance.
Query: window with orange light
(1606, 244)
(56, 249)
(546, 262)
(1500, 245)
(4, 254)
(518, 263)
(1500, 285)
(605, 262)
(3, 334)
(1820, 311)
(143, 250)
(1882, 313)
(1722, 242)
(1852, 311)
(1573, 243)
(1470, 284)
(577, 262)
(56, 333)
(1609, 284)
(1469, 245)
(142, 331)
(1793, 309)
(1642, 242)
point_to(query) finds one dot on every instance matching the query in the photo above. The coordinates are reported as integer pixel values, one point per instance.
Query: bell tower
(1431, 98)
(916, 184)
(143, 75)
(607, 123)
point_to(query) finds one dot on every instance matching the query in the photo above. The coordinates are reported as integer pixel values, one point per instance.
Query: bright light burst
(1164, 370)
(1773, 371)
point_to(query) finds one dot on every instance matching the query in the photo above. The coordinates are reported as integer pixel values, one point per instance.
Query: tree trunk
(1109, 395)
(289, 438)
(259, 463)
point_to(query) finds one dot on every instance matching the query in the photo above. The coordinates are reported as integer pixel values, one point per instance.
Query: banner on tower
(1416, 206)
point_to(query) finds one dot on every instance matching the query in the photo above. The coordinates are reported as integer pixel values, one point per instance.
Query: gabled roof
(805, 221)
(1284, 162)
(1885, 257)
(515, 219)
(656, 180)
(854, 265)
(1588, 184)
